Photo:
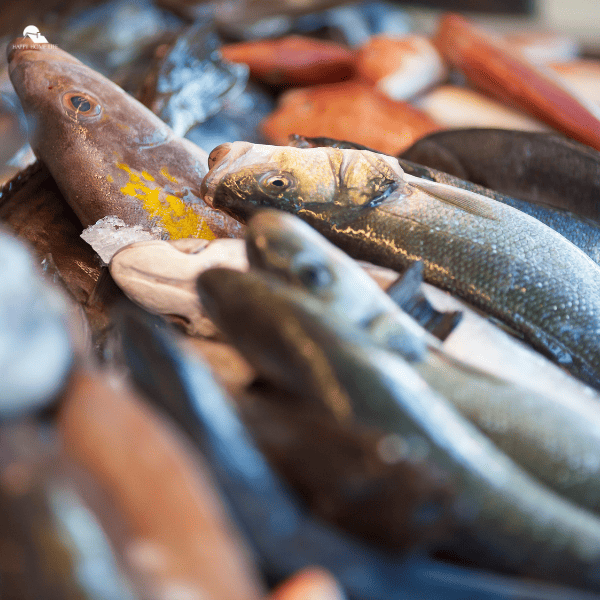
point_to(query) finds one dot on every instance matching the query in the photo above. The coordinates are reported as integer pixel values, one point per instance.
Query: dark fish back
(541, 168)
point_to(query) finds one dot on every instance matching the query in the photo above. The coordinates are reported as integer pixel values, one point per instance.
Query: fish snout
(18, 45)
(218, 154)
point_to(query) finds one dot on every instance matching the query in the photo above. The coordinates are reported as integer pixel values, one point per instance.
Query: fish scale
(499, 259)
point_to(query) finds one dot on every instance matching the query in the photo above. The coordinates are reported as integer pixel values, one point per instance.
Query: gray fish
(107, 152)
(541, 168)
(556, 438)
(579, 230)
(283, 535)
(507, 516)
(495, 257)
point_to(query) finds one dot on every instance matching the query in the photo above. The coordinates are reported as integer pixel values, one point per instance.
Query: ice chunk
(110, 234)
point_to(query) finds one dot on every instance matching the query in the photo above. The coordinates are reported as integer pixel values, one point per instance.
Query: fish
(36, 350)
(293, 60)
(540, 168)
(508, 519)
(286, 538)
(160, 276)
(109, 155)
(53, 544)
(174, 532)
(34, 209)
(369, 117)
(556, 438)
(578, 230)
(401, 67)
(492, 65)
(493, 256)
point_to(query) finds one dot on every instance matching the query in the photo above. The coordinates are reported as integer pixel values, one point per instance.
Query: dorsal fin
(469, 202)
(406, 293)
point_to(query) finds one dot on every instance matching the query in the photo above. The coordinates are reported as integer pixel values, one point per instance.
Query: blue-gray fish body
(495, 257)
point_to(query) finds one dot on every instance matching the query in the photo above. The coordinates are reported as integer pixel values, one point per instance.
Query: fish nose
(18, 45)
(218, 154)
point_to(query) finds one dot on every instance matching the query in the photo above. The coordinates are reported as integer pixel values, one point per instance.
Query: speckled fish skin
(557, 439)
(528, 198)
(504, 262)
(270, 516)
(508, 517)
(107, 152)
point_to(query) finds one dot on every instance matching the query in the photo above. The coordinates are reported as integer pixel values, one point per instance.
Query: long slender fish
(107, 152)
(284, 536)
(555, 437)
(426, 156)
(495, 257)
(508, 517)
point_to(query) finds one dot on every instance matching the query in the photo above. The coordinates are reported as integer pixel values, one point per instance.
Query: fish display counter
(297, 302)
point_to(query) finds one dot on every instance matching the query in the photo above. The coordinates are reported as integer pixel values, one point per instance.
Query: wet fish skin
(541, 168)
(186, 391)
(557, 440)
(107, 152)
(426, 158)
(495, 257)
(507, 515)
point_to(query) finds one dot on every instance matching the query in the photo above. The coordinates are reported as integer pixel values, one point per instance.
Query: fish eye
(81, 104)
(277, 182)
(315, 276)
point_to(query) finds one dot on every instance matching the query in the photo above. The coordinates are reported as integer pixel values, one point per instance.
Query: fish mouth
(220, 161)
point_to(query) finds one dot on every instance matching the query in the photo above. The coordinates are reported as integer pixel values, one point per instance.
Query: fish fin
(406, 293)
(407, 285)
(469, 202)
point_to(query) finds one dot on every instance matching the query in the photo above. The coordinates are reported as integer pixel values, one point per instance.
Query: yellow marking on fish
(178, 219)
(109, 178)
(166, 174)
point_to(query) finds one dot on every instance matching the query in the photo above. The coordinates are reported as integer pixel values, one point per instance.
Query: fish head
(71, 108)
(286, 246)
(243, 177)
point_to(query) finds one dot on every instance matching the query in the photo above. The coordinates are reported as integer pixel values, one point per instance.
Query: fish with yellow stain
(107, 152)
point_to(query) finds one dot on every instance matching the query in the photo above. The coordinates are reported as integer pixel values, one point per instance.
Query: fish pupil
(278, 182)
(315, 276)
(81, 103)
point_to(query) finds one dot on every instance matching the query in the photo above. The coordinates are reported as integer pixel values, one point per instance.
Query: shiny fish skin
(430, 152)
(557, 439)
(491, 255)
(507, 516)
(107, 152)
(186, 391)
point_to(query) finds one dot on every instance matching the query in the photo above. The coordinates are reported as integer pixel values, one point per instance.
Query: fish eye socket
(277, 182)
(315, 276)
(81, 104)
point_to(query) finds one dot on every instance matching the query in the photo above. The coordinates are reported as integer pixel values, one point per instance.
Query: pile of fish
(305, 370)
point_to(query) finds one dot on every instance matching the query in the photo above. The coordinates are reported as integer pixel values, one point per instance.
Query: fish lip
(19, 45)
(219, 170)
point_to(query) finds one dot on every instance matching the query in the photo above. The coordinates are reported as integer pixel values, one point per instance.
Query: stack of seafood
(303, 370)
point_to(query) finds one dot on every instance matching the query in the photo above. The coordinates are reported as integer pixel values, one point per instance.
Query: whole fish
(284, 536)
(508, 518)
(555, 437)
(542, 168)
(502, 261)
(108, 153)
(578, 230)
